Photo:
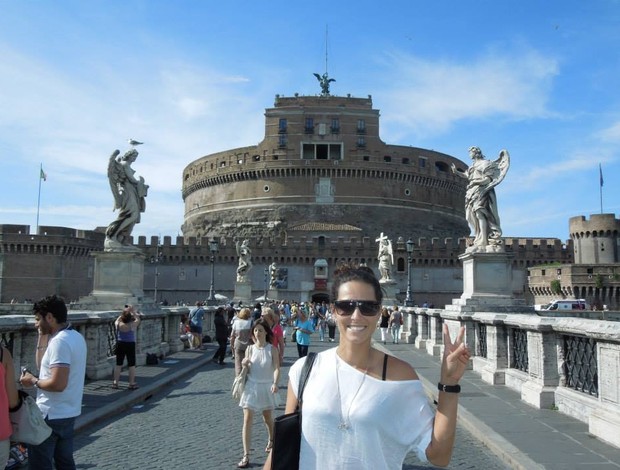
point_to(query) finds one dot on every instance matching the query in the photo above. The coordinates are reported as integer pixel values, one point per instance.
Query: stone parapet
(569, 364)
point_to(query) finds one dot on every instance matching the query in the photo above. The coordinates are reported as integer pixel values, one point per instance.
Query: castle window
(366, 158)
(222, 164)
(406, 161)
(282, 126)
(266, 188)
(441, 166)
(361, 126)
(282, 141)
(256, 158)
(309, 128)
(407, 192)
(335, 127)
(311, 151)
(387, 159)
(422, 162)
(361, 142)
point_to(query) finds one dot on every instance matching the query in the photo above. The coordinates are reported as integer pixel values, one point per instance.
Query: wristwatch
(449, 388)
(36, 383)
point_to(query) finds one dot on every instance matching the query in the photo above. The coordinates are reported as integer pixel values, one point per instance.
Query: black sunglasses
(367, 308)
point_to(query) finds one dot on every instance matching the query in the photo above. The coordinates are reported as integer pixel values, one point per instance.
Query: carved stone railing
(568, 364)
(158, 333)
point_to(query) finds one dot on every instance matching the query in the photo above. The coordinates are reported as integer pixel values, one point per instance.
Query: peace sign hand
(455, 357)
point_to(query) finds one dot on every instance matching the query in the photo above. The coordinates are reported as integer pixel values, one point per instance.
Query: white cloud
(431, 96)
(611, 134)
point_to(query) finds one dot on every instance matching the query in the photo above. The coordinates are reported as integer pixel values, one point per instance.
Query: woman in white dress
(262, 384)
(379, 411)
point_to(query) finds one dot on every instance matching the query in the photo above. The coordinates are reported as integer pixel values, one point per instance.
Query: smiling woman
(379, 412)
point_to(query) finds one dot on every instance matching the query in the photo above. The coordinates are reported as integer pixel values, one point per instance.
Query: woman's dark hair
(126, 316)
(52, 304)
(348, 272)
(220, 311)
(262, 322)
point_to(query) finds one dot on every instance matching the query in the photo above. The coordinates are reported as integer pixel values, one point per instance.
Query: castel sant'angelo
(319, 189)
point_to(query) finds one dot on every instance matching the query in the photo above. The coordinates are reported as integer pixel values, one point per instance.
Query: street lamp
(213, 248)
(408, 299)
(155, 260)
(266, 283)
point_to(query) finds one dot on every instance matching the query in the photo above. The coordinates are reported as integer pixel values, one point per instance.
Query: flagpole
(39, 199)
(600, 172)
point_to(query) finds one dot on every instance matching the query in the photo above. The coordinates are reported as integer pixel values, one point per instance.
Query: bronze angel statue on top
(480, 200)
(129, 198)
(324, 81)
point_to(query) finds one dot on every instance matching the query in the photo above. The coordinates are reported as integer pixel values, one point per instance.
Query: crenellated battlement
(533, 250)
(598, 225)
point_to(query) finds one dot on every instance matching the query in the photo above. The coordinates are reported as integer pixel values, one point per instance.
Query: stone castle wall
(595, 240)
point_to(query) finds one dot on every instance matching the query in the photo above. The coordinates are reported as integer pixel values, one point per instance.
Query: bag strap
(303, 378)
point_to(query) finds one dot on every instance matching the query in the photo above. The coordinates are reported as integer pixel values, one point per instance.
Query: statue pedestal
(273, 294)
(119, 278)
(389, 293)
(243, 293)
(487, 282)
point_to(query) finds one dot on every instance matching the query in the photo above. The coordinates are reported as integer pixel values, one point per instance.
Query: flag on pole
(43, 175)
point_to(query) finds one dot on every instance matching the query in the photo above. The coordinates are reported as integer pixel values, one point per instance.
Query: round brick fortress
(322, 160)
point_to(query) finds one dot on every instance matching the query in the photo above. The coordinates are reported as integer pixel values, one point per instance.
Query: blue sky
(189, 78)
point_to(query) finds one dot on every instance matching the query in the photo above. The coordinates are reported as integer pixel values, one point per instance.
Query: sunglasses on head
(367, 308)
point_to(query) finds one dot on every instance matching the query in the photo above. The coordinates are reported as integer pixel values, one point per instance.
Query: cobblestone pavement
(194, 424)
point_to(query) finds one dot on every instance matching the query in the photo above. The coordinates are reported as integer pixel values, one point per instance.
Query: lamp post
(155, 260)
(213, 248)
(408, 299)
(266, 283)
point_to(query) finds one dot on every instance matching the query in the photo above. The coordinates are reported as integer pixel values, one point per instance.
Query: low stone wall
(563, 363)
(158, 333)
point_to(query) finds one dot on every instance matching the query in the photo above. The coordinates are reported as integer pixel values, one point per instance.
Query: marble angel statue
(480, 200)
(129, 198)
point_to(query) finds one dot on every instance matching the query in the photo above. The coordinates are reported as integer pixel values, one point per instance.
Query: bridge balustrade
(570, 364)
(158, 333)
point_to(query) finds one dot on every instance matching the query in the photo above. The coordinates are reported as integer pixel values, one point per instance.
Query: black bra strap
(385, 359)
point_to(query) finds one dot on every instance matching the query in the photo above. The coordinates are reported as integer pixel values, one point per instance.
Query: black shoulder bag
(287, 428)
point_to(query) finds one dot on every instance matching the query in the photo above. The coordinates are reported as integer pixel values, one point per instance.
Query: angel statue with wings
(385, 257)
(245, 259)
(324, 81)
(129, 198)
(480, 200)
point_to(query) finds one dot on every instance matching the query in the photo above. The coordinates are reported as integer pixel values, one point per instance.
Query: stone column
(539, 389)
(492, 368)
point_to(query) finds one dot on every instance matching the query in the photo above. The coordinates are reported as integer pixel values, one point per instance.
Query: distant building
(322, 161)
(595, 274)
(55, 261)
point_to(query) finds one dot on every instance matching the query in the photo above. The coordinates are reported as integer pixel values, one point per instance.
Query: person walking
(221, 335)
(126, 326)
(263, 364)
(196, 316)
(396, 321)
(379, 411)
(61, 359)
(331, 325)
(241, 336)
(384, 323)
(277, 341)
(303, 329)
(9, 398)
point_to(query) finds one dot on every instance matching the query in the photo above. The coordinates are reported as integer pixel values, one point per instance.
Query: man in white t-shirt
(61, 359)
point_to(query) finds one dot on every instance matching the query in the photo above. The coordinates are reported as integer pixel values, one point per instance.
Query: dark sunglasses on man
(367, 308)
